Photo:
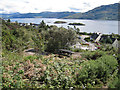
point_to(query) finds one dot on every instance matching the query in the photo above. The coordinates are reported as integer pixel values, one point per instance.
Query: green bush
(87, 39)
(93, 55)
(78, 50)
(97, 72)
(53, 72)
(59, 38)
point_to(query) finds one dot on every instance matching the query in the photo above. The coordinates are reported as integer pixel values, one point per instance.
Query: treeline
(41, 37)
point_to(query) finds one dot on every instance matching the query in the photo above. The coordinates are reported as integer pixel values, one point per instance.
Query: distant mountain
(104, 12)
(4, 15)
(41, 15)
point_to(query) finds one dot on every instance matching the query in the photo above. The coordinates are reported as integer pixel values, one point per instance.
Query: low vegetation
(53, 72)
(94, 69)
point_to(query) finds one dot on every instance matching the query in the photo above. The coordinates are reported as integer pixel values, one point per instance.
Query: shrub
(78, 50)
(99, 71)
(60, 38)
(87, 39)
(93, 55)
(53, 72)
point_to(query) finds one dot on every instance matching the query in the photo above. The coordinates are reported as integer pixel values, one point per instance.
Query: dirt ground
(32, 52)
(76, 55)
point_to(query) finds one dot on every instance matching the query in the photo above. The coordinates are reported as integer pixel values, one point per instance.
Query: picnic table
(65, 52)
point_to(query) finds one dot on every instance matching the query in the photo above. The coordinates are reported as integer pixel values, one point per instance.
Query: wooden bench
(65, 52)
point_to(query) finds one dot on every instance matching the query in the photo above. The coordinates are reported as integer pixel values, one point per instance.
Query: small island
(76, 24)
(59, 22)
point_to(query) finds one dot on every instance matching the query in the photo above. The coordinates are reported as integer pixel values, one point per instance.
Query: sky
(37, 6)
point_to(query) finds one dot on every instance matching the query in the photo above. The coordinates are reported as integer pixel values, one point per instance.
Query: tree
(42, 26)
(38, 42)
(77, 30)
(108, 40)
(60, 38)
(8, 20)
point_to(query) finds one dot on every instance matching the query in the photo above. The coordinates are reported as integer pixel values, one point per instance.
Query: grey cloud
(72, 8)
(1, 9)
(9, 6)
(35, 8)
(49, 8)
(27, 2)
(87, 4)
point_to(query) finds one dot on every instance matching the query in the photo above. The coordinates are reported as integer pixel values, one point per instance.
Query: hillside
(104, 12)
(41, 15)
(23, 65)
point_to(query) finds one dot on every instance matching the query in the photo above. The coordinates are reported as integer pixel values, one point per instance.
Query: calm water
(103, 26)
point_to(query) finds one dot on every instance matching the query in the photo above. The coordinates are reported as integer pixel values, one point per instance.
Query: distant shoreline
(63, 18)
(103, 26)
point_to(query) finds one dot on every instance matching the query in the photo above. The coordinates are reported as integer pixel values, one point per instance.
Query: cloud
(87, 4)
(26, 2)
(36, 6)
(2, 9)
(72, 8)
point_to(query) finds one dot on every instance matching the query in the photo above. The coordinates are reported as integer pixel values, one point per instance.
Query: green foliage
(108, 49)
(14, 37)
(59, 38)
(94, 69)
(87, 39)
(107, 40)
(43, 25)
(114, 83)
(8, 20)
(31, 58)
(54, 72)
(99, 71)
(77, 30)
(77, 50)
(118, 57)
(84, 33)
(94, 55)
(38, 42)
